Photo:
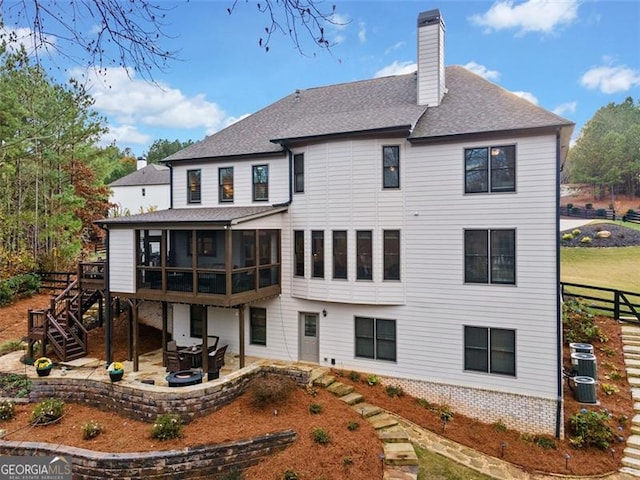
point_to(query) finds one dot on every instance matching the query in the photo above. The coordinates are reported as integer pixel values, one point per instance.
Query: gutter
(290, 154)
(558, 293)
(107, 336)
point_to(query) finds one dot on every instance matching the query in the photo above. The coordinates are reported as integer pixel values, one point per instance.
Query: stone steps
(630, 471)
(631, 353)
(400, 458)
(630, 452)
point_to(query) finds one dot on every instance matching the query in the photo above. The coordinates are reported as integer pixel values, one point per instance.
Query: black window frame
(317, 253)
(223, 192)
(364, 256)
(194, 186)
(258, 185)
(391, 259)
(483, 353)
(196, 323)
(298, 252)
(485, 170)
(485, 259)
(298, 173)
(391, 166)
(258, 326)
(372, 336)
(340, 254)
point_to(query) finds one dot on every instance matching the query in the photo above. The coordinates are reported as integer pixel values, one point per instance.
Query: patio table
(194, 354)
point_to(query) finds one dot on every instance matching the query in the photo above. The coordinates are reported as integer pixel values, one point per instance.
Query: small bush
(445, 413)
(579, 325)
(353, 426)
(315, 409)
(10, 346)
(167, 427)
(500, 427)
(394, 391)
(590, 429)
(567, 237)
(354, 376)
(320, 436)
(47, 411)
(91, 429)
(545, 442)
(575, 232)
(23, 284)
(373, 380)
(586, 240)
(614, 375)
(14, 385)
(608, 351)
(7, 410)
(290, 475)
(424, 403)
(347, 461)
(609, 389)
(269, 390)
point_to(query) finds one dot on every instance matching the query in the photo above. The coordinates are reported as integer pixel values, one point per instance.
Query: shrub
(444, 412)
(91, 429)
(25, 283)
(354, 376)
(586, 240)
(320, 436)
(290, 475)
(545, 442)
(567, 237)
(579, 325)
(352, 426)
(394, 391)
(614, 374)
(373, 380)
(589, 428)
(14, 385)
(47, 411)
(347, 461)
(7, 410)
(315, 409)
(424, 403)
(609, 389)
(499, 426)
(167, 427)
(10, 346)
(575, 232)
(269, 390)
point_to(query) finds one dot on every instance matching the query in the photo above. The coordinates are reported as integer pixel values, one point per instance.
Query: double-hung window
(317, 253)
(340, 254)
(490, 169)
(490, 256)
(391, 248)
(391, 166)
(193, 186)
(197, 317)
(257, 326)
(490, 350)
(375, 338)
(298, 173)
(225, 184)
(364, 258)
(260, 183)
(298, 245)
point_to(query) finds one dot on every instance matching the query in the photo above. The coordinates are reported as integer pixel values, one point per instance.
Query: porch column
(130, 307)
(241, 333)
(136, 360)
(205, 339)
(165, 324)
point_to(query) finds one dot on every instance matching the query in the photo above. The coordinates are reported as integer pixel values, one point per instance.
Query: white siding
(242, 182)
(122, 261)
(130, 198)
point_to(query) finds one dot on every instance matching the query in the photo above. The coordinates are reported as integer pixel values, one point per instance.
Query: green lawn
(617, 268)
(434, 466)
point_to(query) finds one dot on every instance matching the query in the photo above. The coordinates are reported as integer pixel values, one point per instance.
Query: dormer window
(193, 186)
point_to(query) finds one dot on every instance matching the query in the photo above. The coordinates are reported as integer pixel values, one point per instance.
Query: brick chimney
(431, 85)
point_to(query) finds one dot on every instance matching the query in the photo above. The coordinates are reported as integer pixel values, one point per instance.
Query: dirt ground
(583, 194)
(328, 462)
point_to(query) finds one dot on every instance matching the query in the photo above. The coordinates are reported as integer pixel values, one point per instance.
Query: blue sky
(571, 57)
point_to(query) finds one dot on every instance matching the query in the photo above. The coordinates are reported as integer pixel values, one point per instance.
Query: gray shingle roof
(150, 175)
(213, 215)
(471, 105)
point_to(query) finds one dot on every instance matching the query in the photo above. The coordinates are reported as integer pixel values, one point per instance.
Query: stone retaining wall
(210, 461)
(146, 402)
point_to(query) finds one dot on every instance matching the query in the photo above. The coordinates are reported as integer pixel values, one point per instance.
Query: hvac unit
(584, 364)
(585, 389)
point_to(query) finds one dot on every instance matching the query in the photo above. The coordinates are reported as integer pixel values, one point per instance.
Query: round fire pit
(184, 378)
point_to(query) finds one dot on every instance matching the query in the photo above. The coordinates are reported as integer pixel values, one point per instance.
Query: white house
(405, 226)
(145, 189)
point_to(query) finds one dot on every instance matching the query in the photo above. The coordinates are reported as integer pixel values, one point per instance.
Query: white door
(308, 333)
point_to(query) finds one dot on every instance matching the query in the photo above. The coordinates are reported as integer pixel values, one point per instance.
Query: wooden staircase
(62, 328)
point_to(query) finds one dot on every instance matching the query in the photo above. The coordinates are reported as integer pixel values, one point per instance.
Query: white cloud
(397, 46)
(27, 37)
(529, 16)
(397, 68)
(483, 71)
(527, 96)
(125, 135)
(564, 108)
(128, 100)
(362, 33)
(339, 21)
(338, 39)
(611, 79)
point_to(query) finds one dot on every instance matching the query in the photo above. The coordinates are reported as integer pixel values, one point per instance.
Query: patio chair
(216, 362)
(176, 362)
(212, 344)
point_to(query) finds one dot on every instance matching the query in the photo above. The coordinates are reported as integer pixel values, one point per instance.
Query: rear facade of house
(404, 226)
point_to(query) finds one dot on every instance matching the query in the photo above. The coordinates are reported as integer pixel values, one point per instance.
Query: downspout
(107, 336)
(290, 153)
(170, 185)
(558, 293)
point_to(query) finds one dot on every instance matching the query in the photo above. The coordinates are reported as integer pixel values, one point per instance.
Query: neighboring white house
(404, 225)
(145, 189)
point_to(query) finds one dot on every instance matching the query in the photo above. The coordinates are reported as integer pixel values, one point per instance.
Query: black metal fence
(618, 304)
